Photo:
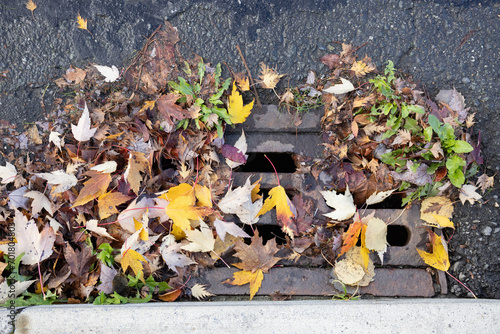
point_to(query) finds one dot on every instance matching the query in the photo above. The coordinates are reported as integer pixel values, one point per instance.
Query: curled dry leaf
(437, 205)
(269, 77)
(199, 292)
(110, 73)
(468, 193)
(82, 131)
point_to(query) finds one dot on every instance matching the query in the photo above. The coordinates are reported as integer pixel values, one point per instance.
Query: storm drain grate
(271, 132)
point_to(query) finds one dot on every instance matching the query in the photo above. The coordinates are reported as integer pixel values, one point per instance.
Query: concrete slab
(308, 316)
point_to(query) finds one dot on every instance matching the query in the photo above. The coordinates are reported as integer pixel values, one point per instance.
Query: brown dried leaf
(256, 256)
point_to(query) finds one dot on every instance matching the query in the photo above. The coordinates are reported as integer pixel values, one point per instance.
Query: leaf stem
(275, 172)
(220, 258)
(456, 279)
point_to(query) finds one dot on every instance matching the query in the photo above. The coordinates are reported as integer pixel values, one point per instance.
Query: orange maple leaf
(93, 188)
(439, 256)
(285, 210)
(109, 201)
(245, 277)
(351, 237)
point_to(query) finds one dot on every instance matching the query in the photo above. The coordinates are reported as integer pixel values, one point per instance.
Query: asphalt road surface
(443, 44)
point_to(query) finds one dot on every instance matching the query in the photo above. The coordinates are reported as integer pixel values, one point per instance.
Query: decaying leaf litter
(124, 192)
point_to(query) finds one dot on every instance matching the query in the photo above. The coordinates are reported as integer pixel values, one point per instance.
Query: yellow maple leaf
(236, 109)
(31, 5)
(93, 188)
(245, 277)
(269, 77)
(109, 201)
(439, 256)
(278, 198)
(365, 252)
(182, 189)
(182, 209)
(133, 260)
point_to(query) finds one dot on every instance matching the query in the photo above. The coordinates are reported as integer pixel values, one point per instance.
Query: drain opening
(397, 235)
(289, 192)
(394, 201)
(257, 162)
(266, 232)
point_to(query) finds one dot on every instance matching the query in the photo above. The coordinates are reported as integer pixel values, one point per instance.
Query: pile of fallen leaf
(124, 192)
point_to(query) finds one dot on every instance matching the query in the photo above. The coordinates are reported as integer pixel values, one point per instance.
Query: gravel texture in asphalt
(443, 44)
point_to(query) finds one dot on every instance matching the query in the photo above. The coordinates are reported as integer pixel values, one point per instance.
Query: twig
(250, 75)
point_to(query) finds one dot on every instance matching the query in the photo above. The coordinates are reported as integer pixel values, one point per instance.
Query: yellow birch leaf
(245, 277)
(143, 235)
(237, 111)
(285, 210)
(439, 257)
(365, 252)
(442, 222)
(133, 260)
(438, 205)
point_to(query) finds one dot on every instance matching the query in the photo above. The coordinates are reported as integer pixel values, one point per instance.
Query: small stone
(497, 230)
(487, 231)
(465, 80)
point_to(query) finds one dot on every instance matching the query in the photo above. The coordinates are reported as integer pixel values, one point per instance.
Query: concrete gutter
(307, 316)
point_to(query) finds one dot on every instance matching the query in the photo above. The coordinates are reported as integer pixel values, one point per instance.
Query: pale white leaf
(345, 87)
(54, 138)
(199, 291)
(8, 173)
(343, 204)
(223, 227)
(106, 167)
(485, 181)
(106, 277)
(110, 73)
(40, 201)
(134, 210)
(376, 235)
(36, 246)
(378, 197)
(250, 210)
(91, 225)
(19, 288)
(60, 178)
(82, 131)
(349, 272)
(232, 202)
(241, 144)
(54, 224)
(201, 240)
(170, 252)
(17, 199)
(468, 193)
(418, 177)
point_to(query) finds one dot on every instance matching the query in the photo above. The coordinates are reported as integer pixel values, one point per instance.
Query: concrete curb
(308, 316)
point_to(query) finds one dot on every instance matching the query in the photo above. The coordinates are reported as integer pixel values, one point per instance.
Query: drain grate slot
(266, 232)
(257, 163)
(397, 235)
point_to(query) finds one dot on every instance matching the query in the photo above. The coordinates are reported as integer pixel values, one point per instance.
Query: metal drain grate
(273, 133)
